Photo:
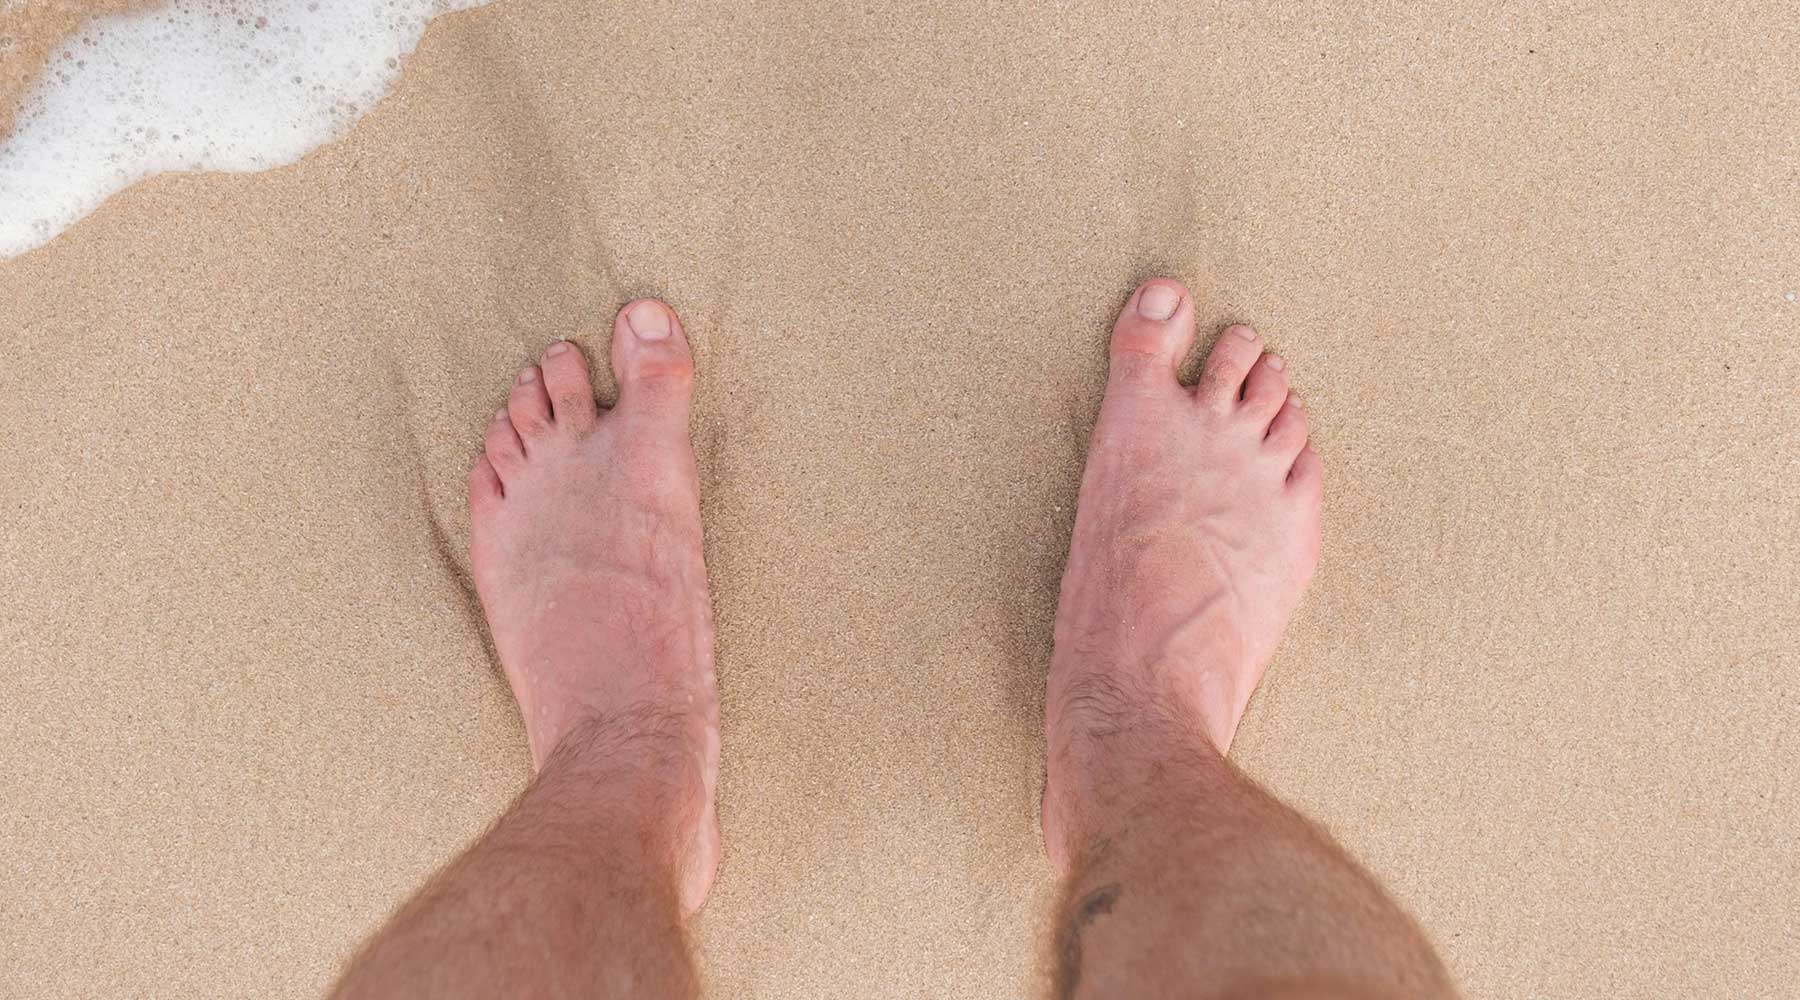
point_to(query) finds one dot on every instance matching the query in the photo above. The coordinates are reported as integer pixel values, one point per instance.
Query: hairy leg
(1196, 533)
(585, 549)
(1191, 881)
(573, 893)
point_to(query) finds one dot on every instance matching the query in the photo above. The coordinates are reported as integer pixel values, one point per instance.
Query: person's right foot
(1196, 531)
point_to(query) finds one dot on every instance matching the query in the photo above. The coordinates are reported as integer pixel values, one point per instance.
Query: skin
(585, 549)
(1196, 533)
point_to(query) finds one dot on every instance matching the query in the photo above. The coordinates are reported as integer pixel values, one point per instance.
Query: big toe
(651, 358)
(1153, 332)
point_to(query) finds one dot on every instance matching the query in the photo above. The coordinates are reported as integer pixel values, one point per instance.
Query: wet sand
(29, 29)
(1534, 274)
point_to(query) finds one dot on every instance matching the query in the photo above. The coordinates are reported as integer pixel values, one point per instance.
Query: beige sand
(1530, 270)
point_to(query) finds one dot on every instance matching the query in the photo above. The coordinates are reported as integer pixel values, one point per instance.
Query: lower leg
(1196, 532)
(574, 892)
(1188, 880)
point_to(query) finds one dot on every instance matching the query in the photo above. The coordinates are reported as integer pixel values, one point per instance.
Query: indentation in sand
(196, 85)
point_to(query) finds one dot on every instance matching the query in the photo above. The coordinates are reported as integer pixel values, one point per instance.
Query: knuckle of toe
(1221, 366)
(1132, 340)
(671, 374)
(574, 401)
(1215, 384)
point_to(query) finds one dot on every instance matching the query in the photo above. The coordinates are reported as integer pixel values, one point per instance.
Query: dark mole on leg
(1095, 904)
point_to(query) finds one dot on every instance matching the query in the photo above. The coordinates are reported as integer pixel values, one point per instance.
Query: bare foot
(585, 548)
(1196, 532)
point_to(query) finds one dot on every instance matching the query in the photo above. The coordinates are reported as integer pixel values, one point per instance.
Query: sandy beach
(1534, 270)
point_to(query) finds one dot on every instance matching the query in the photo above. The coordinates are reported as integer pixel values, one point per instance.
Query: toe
(1265, 389)
(503, 447)
(1287, 432)
(528, 405)
(1222, 377)
(1153, 333)
(566, 383)
(1307, 477)
(484, 487)
(651, 359)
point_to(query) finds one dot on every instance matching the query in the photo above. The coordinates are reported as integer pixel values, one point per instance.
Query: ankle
(1118, 722)
(633, 777)
(1119, 758)
(1169, 701)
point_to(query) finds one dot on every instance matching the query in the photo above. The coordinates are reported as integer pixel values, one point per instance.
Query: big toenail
(528, 375)
(1276, 363)
(649, 320)
(1158, 302)
(1244, 332)
(557, 348)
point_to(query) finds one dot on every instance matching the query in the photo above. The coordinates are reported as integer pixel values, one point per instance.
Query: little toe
(652, 361)
(1287, 432)
(529, 405)
(503, 447)
(1265, 389)
(1227, 365)
(485, 490)
(566, 383)
(1153, 333)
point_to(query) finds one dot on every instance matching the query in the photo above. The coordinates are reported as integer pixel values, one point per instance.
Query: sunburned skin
(585, 548)
(1196, 532)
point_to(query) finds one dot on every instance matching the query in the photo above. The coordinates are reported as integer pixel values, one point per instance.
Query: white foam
(197, 85)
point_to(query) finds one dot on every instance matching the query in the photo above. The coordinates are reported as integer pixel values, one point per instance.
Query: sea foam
(195, 85)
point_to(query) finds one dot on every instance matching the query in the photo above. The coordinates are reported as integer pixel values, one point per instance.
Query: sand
(1533, 269)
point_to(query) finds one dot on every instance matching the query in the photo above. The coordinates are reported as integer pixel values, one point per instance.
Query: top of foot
(1196, 532)
(585, 549)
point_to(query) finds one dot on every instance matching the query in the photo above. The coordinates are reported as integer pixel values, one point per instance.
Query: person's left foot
(585, 549)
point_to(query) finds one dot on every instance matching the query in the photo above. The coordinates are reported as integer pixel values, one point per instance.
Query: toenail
(1276, 363)
(557, 348)
(500, 414)
(1244, 332)
(1158, 302)
(527, 375)
(649, 320)
(1294, 401)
